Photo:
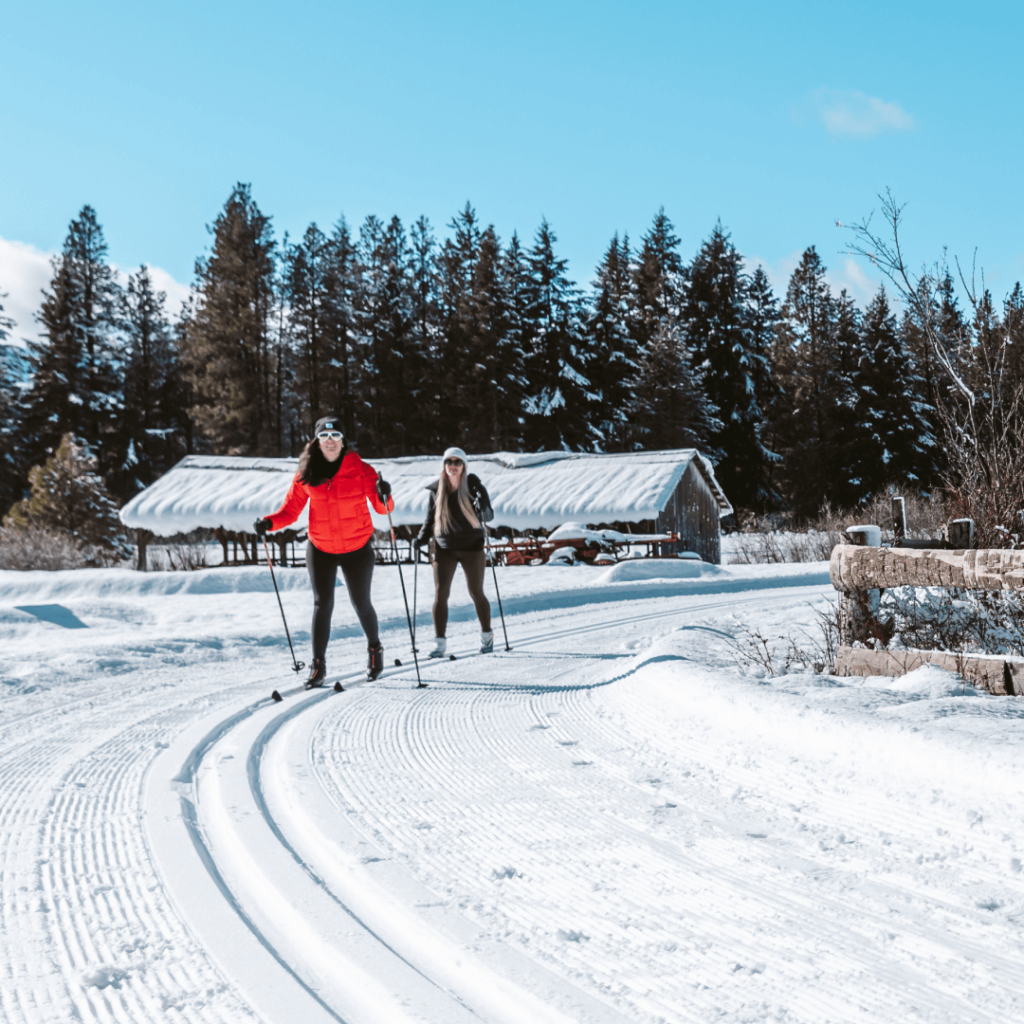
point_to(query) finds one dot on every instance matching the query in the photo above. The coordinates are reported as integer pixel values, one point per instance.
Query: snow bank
(658, 569)
(929, 681)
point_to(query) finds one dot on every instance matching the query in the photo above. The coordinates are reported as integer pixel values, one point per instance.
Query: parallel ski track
(713, 896)
(391, 683)
(104, 937)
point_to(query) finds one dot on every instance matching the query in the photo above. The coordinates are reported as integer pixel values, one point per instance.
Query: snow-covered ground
(612, 822)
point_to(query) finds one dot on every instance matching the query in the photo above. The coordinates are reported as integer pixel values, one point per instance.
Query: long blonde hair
(443, 503)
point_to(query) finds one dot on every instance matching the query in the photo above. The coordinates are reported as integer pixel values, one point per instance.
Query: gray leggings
(473, 564)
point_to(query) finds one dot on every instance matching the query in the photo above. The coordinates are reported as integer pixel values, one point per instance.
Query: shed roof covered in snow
(528, 491)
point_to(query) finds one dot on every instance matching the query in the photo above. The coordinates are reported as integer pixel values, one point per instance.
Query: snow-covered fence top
(528, 491)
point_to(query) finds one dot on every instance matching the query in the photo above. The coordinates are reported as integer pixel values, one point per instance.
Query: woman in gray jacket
(458, 508)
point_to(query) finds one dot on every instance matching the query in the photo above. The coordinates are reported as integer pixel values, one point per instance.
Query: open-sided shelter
(644, 492)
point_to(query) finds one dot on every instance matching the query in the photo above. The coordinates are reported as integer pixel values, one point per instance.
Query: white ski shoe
(439, 647)
(487, 643)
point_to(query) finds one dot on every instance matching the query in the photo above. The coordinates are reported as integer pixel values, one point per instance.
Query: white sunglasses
(330, 435)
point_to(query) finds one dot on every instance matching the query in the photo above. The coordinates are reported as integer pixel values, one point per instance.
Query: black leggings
(357, 568)
(473, 563)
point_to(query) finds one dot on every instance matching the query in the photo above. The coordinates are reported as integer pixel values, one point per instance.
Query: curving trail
(605, 825)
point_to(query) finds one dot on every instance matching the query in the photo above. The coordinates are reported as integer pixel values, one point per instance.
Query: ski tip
(451, 657)
(276, 697)
(338, 688)
(398, 662)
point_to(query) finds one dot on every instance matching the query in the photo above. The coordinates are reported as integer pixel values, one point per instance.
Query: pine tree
(77, 366)
(561, 402)
(12, 368)
(657, 284)
(343, 371)
(845, 488)
(804, 356)
(495, 370)
(670, 408)
(515, 279)
(306, 277)
(449, 359)
(152, 432)
(68, 496)
(391, 397)
(614, 353)
(891, 438)
(424, 327)
(719, 333)
(228, 350)
(765, 314)
(1013, 326)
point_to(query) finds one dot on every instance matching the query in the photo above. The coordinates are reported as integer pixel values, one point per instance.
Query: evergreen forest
(418, 341)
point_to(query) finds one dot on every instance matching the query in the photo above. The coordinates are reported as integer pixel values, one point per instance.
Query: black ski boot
(317, 673)
(375, 665)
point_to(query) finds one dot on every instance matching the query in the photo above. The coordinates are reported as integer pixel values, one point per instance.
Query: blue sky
(777, 118)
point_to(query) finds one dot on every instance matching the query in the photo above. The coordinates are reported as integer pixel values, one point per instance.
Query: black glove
(383, 489)
(262, 525)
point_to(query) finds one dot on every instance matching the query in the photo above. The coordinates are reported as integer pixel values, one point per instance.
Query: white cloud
(176, 292)
(859, 285)
(25, 271)
(856, 114)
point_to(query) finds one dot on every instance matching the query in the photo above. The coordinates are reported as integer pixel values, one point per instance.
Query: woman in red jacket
(337, 484)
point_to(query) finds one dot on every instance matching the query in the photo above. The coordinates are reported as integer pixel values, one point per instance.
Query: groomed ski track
(530, 839)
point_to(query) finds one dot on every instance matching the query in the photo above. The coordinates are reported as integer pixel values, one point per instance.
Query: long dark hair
(314, 467)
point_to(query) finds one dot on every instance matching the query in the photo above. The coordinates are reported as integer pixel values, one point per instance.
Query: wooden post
(859, 608)
(899, 521)
(961, 534)
(222, 535)
(142, 539)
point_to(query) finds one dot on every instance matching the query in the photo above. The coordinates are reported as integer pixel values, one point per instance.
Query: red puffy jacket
(339, 520)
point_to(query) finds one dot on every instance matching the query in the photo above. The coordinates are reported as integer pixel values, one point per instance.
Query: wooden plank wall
(692, 513)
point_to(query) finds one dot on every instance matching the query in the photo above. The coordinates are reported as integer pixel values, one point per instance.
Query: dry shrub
(926, 515)
(764, 538)
(809, 652)
(986, 484)
(37, 548)
(760, 539)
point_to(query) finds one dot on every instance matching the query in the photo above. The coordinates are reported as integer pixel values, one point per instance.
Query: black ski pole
(408, 618)
(494, 573)
(297, 666)
(415, 573)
